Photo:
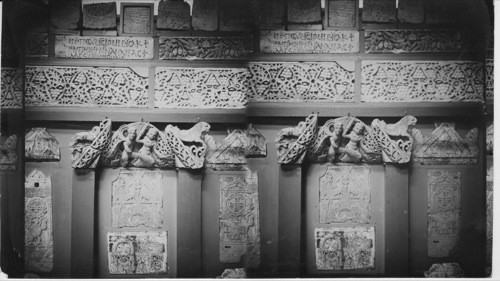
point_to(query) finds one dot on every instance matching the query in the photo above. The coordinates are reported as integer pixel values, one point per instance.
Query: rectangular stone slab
(65, 14)
(235, 15)
(11, 95)
(270, 14)
(379, 11)
(102, 47)
(304, 11)
(205, 15)
(99, 15)
(37, 45)
(136, 19)
(309, 42)
(342, 13)
(173, 15)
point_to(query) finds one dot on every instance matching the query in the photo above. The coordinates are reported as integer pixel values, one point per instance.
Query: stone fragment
(292, 143)
(489, 139)
(379, 11)
(342, 13)
(103, 47)
(304, 11)
(269, 14)
(205, 15)
(444, 270)
(86, 147)
(99, 15)
(136, 19)
(489, 69)
(36, 45)
(173, 15)
(411, 11)
(12, 88)
(204, 48)
(8, 153)
(65, 14)
(233, 273)
(41, 145)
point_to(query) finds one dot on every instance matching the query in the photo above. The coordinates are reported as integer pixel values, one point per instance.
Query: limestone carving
(489, 139)
(41, 145)
(99, 15)
(37, 45)
(307, 81)
(256, 142)
(445, 146)
(407, 81)
(173, 15)
(38, 242)
(304, 11)
(12, 88)
(204, 48)
(489, 78)
(340, 248)
(239, 220)
(86, 86)
(444, 270)
(379, 11)
(188, 146)
(8, 154)
(292, 143)
(394, 139)
(137, 252)
(200, 87)
(86, 147)
(341, 13)
(137, 199)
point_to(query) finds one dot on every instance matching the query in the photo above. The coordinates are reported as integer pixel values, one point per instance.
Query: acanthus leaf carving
(292, 143)
(86, 147)
(41, 145)
(8, 154)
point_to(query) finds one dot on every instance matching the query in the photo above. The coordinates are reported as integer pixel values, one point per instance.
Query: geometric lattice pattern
(12, 88)
(85, 86)
(421, 81)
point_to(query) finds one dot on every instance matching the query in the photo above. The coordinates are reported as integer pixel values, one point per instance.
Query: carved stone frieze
(36, 45)
(489, 78)
(307, 81)
(39, 144)
(239, 219)
(415, 41)
(137, 199)
(8, 153)
(408, 81)
(38, 241)
(445, 146)
(489, 139)
(340, 248)
(173, 15)
(99, 15)
(86, 86)
(137, 252)
(345, 195)
(204, 48)
(103, 47)
(444, 270)
(200, 87)
(12, 88)
(292, 143)
(86, 147)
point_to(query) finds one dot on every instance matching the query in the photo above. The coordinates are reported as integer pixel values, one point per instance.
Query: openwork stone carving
(414, 41)
(85, 86)
(332, 81)
(12, 88)
(421, 81)
(345, 195)
(489, 78)
(86, 147)
(339, 248)
(394, 139)
(489, 139)
(444, 270)
(37, 45)
(200, 87)
(188, 145)
(137, 252)
(292, 143)
(38, 242)
(445, 146)
(239, 220)
(137, 199)
(204, 48)
(41, 145)
(8, 155)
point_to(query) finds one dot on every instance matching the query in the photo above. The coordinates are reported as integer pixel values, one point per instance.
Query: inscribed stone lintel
(341, 248)
(204, 48)
(137, 252)
(99, 15)
(38, 242)
(41, 145)
(8, 153)
(12, 88)
(37, 45)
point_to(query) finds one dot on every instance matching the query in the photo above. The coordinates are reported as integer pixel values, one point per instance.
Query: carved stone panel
(235, 15)
(256, 142)
(101, 47)
(415, 41)
(304, 11)
(309, 42)
(136, 19)
(342, 13)
(411, 11)
(38, 241)
(41, 145)
(489, 79)
(444, 205)
(200, 87)
(205, 15)
(340, 248)
(345, 195)
(239, 219)
(292, 143)
(137, 252)
(86, 147)
(173, 15)
(379, 11)
(12, 88)
(270, 14)
(137, 199)
(65, 14)
(204, 48)
(231, 150)
(8, 153)
(307, 81)
(489, 138)
(36, 45)
(409, 81)
(99, 15)
(86, 86)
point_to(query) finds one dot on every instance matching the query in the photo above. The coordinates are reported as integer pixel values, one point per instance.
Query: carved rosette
(86, 147)
(292, 143)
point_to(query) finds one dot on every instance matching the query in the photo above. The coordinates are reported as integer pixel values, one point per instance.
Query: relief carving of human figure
(334, 142)
(144, 157)
(351, 153)
(128, 146)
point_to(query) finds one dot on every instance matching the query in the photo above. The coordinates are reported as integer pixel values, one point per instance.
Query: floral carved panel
(204, 48)
(200, 87)
(86, 86)
(12, 88)
(406, 81)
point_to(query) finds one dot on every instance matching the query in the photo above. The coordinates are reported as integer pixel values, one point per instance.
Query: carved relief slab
(12, 88)
(445, 146)
(200, 87)
(101, 47)
(270, 14)
(345, 195)
(304, 11)
(256, 142)
(86, 86)
(205, 15)
(36, 45)
(489, 78)
(86, 147)
(414, 41)
(137, 252)
(443, 233)
(41, 145)
(65, 14)
(444, 191)
(137, 199)
(136, 19)
(342, 13)
(239, 219)
(8, 155)
(231, 150)
(99, 15)
(308, 81)
(339, 248)
(204, 48)
(173, 15)
(307, 42)
(411, 11)
(292, 143)
(421, 81)
(38, 241)
(379, 11)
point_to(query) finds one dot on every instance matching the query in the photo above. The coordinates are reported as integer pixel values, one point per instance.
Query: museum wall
(288, 195)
